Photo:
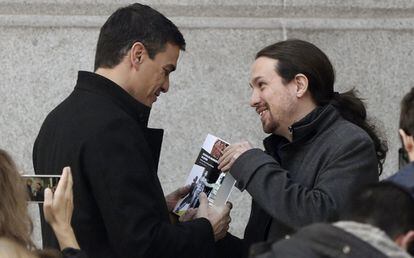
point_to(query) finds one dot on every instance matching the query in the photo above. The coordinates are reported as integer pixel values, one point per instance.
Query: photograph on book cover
(206, 177)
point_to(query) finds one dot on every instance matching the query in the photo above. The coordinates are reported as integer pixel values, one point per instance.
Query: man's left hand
(172, 198)
(231, 153)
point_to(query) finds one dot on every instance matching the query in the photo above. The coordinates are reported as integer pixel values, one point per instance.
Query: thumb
(184, 190)
(203, 208)
(47, 205)
(203, 199)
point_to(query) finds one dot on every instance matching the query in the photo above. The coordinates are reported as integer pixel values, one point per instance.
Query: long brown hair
(15, 222)
(11, 249)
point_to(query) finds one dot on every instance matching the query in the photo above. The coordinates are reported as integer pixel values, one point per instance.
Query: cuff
(73, 253)
(203, 225)
(247, 164)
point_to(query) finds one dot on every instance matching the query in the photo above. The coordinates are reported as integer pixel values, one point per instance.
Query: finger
(183, 191)
(221, 151)
(69, 186)
(188, 215)
(203, 201)
(184, 217)
(225, 210)
(47, 204)
(225, 161)
(230, 205)
(63, 182)
(228, 166)
(226, 152)
(228, 219)
(230, 147)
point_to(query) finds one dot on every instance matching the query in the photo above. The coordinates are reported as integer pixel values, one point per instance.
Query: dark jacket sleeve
(350, 165)
(73, 253)
(230, 247)
(131, 200)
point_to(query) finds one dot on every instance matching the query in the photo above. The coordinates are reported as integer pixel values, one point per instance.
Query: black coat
(120, 209)
(308, 180)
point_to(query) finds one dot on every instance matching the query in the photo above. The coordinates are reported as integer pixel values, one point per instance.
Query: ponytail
(353, 109)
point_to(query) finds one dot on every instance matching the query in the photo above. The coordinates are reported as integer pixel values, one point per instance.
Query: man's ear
(136, 54)
(407, 140)
(302, 84)
(404, 240)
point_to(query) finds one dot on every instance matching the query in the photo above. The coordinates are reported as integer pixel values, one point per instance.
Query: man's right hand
(219, 216)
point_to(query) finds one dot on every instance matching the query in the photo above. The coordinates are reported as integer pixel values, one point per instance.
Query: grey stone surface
(366, 4)
(44, 43)
(221, 8)
(204, 8)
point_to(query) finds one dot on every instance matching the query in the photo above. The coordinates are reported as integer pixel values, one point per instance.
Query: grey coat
(308, 180)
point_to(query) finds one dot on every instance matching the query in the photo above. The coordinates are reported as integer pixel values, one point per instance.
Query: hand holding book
(172, 198)
(218, 216)
(231, 153)
(206, 177)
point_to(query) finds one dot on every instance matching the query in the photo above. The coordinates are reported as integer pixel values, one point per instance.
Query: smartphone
(36, 185)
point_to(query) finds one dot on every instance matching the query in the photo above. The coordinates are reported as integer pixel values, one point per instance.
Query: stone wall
(45, 42)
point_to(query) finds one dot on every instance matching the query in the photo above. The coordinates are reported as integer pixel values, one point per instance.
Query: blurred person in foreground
(379, 223)
(15, 224)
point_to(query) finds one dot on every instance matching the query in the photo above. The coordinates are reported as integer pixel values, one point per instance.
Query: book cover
(206, 177)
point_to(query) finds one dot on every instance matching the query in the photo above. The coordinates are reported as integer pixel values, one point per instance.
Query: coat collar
(100, 85)
(373, 236)
(305, 129)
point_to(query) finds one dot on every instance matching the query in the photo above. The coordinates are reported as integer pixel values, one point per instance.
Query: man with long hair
(320, 148)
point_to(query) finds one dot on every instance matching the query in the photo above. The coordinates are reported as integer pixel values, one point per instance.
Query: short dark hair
(296, 56)
(131, 24)
(407, 113)
(385, 205)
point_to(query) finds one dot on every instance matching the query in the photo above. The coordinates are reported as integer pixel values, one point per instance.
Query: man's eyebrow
(254, 81)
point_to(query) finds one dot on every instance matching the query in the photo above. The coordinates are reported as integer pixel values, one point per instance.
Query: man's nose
(254, 98)
(166, 85)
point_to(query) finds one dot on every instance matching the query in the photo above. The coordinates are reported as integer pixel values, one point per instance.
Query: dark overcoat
(120, 209)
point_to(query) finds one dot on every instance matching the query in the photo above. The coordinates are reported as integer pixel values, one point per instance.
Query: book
(206, 177)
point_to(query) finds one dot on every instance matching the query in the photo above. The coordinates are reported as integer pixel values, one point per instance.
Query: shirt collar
(313, 123)
(101, 85)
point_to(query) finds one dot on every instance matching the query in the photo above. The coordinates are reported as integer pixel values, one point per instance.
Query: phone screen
(36, 185)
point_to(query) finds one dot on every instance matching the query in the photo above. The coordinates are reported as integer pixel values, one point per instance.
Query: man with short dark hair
(320, 148)
(101, 131)
(380, 223)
